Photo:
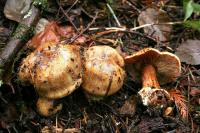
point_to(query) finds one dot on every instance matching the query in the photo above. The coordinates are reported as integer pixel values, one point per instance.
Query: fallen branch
(16, 42)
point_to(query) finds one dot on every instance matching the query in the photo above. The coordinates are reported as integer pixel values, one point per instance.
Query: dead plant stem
(113, 14)
(135, 28)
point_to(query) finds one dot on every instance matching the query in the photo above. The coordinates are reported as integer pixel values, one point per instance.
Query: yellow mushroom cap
(54, 70)
(103, 73)
(167, 65)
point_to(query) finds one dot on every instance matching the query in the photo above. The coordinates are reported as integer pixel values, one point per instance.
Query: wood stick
(15, 44)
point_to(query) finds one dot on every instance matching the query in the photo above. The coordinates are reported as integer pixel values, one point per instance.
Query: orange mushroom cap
(167, 65)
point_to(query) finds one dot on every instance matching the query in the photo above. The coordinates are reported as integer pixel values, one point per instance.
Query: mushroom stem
(149, 78)
(46, 106)
(151, 93)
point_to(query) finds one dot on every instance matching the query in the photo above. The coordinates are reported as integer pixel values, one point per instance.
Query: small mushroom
(55, 71)
(154, 68)
(103, 73)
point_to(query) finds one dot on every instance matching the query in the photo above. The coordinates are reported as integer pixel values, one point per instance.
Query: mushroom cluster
(154, 68)
(56, 70)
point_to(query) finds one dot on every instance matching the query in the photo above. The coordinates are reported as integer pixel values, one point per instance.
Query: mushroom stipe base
(152, 68)
(154, 97)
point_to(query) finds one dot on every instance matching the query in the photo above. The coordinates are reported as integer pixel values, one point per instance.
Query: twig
(56, 123)
(135, 28)
(192, 124)
(66, 14)
(72, 6)
(107, 30)
(147, 25)
(15, 44)
(3, 99)
(130, 4)
(88, 26)
(188, 93)
(16, 131)
(75, 2)
(84, 11)
(116, 19)
(112, 31)
(113, 14)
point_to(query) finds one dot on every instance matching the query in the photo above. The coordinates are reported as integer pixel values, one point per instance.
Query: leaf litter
(189, 52)
(156, 16)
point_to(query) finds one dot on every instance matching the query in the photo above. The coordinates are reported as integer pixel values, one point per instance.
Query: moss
(43, 4)
(18, 34)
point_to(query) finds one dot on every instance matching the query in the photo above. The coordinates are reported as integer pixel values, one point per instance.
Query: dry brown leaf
(55, 129)
(189, 52)
(180, 102)
(156, 16)
(185, 82)
(129, 107)
(194, 91)
(150, 124)
(51, 33)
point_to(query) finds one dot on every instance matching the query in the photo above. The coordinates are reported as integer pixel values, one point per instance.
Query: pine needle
(180, 102)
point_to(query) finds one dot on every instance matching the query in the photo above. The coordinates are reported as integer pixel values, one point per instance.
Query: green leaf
(195, 24)
(196, 7)
(188, 8)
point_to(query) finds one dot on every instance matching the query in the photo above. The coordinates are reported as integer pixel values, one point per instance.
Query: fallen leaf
(48, 35)
(155, 16)
(42, 37)
(186, 82)
(189, 52)
(194, 91)
(129, 107)
(150, 125)
(54, 33)
(54, 129)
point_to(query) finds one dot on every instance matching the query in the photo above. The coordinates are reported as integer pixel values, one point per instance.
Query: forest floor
(122, 112)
